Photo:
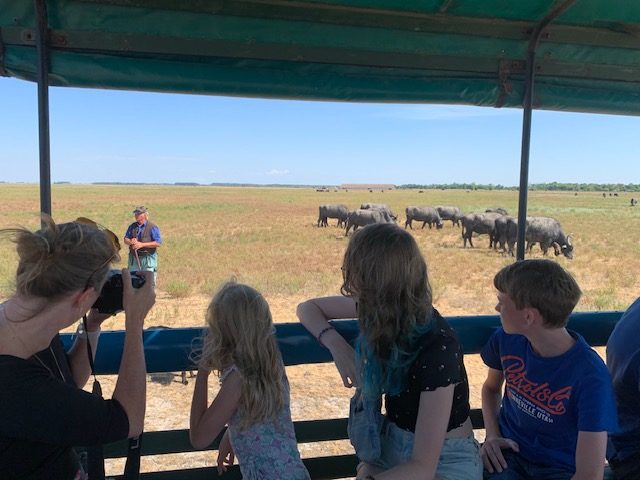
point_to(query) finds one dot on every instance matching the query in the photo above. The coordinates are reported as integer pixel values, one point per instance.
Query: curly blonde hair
(241, 333)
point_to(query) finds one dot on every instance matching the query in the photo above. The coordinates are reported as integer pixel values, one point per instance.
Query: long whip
(137, 259)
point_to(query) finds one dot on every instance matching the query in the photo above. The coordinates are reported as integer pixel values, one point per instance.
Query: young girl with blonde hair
(406, 354)
(253, 400)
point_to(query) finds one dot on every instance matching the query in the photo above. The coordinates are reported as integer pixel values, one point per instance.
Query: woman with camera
(45, 412)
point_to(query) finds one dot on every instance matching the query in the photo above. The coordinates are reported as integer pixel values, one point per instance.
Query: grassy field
(267, 237)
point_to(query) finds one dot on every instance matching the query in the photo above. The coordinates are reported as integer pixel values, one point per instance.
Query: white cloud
(277, 173)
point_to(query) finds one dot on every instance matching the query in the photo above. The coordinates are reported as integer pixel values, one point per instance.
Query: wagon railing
(169, 350)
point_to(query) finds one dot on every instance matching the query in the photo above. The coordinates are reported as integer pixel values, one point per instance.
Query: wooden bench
(168, 351)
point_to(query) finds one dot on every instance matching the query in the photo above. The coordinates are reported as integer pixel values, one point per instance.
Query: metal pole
(526, 121)
(42, 35)
(524, 154)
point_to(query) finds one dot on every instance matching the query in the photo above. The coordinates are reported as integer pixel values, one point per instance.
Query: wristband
(91, 336)
(319, 337)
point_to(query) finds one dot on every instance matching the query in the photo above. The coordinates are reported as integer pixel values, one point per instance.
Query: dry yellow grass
(267, 237)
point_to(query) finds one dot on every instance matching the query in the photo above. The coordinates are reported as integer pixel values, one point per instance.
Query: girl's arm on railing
(315, 314)
(207, 421)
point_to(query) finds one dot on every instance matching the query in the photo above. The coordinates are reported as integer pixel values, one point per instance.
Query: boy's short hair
(540, 284)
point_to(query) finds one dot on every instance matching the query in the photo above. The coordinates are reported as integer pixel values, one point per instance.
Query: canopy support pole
(526, 120)
(42, 37)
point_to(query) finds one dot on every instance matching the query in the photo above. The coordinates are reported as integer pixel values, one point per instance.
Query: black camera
(110, 299)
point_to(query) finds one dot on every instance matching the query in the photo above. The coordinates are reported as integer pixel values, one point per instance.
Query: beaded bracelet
(319, 337)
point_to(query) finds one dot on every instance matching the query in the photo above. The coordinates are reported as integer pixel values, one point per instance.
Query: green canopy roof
(430, 51)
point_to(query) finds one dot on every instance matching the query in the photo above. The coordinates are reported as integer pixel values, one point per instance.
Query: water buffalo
(341, 212)
(505, 232)
(480, 223)
(547, 232)
(499, 210)
(379, 206)
(423, 214)
(360, 218)
(450, 213)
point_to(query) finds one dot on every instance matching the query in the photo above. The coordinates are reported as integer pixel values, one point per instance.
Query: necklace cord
(89, 350)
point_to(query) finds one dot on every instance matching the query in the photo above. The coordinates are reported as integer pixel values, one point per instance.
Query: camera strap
(95, 453)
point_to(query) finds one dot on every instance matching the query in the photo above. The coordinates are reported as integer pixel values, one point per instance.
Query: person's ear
(83, 297)
(533, 317)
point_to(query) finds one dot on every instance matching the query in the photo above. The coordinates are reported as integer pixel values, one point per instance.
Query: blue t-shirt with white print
(548, 400)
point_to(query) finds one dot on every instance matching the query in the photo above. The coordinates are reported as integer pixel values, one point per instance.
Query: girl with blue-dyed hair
(406, 354)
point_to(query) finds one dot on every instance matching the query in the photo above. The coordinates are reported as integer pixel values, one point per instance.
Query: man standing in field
(143, 238)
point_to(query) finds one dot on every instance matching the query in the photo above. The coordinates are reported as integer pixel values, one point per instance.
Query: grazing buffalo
(341, 212)
(379, 206)
(450, 213)
(634, 202)
(480, 223)
(360, 218)
(547, 232)
(499, 210)
(505, 232)
(423, 214)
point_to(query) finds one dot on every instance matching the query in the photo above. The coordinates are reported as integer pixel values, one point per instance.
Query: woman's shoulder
(17, 368)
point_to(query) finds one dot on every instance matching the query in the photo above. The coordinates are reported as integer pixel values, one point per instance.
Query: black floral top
(439, 364)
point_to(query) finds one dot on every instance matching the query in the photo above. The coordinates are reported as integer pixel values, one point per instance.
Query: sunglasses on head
(113, 238)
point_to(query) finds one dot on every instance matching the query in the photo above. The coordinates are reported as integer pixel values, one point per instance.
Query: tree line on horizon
(549, 186)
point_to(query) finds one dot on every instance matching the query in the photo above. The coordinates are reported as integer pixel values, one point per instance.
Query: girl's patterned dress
(267, 450)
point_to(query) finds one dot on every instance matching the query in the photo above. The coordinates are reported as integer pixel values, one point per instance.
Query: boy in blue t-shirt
(558, 403)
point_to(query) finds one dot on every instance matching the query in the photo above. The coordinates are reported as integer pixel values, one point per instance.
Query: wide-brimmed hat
(139, 210)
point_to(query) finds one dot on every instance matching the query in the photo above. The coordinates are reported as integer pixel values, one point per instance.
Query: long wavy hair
(386, 274)
(241, 333)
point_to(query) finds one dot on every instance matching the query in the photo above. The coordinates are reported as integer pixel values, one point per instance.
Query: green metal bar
(336, 466)
(177, 441)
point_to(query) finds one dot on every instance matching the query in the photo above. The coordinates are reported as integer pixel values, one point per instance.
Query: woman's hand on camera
(137, 301)
(95, 319)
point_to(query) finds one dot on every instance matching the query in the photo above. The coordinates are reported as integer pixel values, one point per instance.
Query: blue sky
(107, 135)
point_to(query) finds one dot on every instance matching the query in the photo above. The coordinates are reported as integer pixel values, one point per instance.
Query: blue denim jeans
(459, 457)
(364, 427)
(520, 469)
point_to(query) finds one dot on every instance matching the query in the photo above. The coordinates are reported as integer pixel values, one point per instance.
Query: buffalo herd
(501, 228)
